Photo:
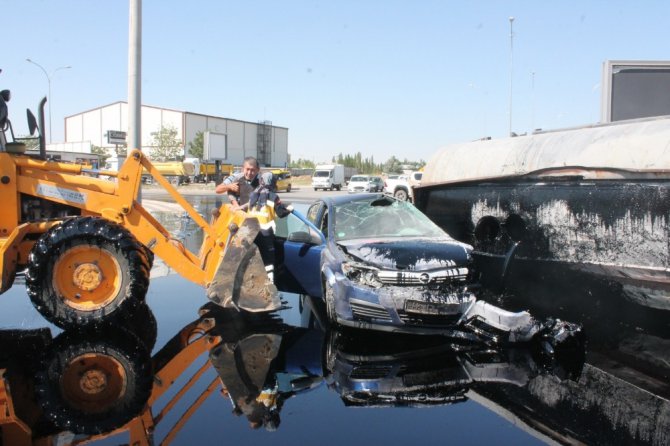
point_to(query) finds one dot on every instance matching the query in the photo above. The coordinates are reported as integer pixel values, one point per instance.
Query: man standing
(240, 185)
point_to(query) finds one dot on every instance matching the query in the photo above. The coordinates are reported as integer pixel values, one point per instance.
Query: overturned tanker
(594, 200)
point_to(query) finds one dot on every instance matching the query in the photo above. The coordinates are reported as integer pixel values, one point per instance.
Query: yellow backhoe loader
(87, 244)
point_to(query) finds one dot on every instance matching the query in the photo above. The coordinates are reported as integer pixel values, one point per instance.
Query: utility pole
(135, 75)
(511, 69)
(134, 140)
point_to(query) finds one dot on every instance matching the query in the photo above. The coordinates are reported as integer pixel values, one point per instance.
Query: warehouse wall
(93, 125)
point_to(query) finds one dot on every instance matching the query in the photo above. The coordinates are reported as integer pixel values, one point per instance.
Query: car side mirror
(304, 237)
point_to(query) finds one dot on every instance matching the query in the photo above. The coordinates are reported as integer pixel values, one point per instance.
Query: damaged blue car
(379, 263)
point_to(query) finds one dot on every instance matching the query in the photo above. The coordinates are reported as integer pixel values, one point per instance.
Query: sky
(384, 78)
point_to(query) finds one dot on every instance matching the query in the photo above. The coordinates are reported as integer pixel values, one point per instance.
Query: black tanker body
(593, 200)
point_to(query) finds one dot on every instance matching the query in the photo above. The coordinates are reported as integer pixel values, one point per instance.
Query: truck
(205, 171)
(401, 186)
(86, 244)
(328, 177)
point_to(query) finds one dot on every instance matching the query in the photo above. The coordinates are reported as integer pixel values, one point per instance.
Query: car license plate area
(420, 307)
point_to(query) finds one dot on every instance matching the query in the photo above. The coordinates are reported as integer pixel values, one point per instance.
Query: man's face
(249, 171)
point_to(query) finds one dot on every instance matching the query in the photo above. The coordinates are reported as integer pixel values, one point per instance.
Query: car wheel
(401, 194)
(288, 188)
(315, 189)
(329, 297)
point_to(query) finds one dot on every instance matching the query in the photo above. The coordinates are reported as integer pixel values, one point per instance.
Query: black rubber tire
(401, 195)
(288, 188)
(133, 269)
(66, 400)
(137, 319)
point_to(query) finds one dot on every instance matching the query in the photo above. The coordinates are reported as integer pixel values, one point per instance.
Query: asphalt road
(298, 194)
(306, 194)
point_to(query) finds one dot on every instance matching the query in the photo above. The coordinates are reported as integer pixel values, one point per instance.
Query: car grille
(370, 372)
(366, 311)
(432, 320)
(449, 275)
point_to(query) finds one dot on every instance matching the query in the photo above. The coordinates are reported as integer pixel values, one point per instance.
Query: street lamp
(49, 84)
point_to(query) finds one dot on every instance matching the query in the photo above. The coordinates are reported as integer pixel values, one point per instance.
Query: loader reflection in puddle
(84, 386)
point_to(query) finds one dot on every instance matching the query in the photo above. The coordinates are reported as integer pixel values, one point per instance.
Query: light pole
(511, 70)
(49, 85)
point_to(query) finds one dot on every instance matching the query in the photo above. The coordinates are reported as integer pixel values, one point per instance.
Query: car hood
(415, 254)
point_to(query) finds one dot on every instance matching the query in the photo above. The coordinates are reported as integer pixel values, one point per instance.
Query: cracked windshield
(334, 223)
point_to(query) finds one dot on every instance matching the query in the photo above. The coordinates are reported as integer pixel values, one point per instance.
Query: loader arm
(227, 248)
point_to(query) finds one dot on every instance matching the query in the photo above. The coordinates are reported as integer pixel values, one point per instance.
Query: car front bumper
(400, 309)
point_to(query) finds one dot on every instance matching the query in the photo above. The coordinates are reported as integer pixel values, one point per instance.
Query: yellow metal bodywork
(114, 200)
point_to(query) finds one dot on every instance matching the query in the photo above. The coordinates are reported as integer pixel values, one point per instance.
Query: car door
(298, 247)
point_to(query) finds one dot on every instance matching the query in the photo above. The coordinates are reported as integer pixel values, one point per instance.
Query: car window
(313, 213)
(382, 217)
(288, 225)
(358, 178)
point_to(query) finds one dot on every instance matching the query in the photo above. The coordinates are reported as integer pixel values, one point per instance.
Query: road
(298, 194)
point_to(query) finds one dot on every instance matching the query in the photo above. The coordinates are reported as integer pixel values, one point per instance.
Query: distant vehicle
(377, 184)
(328, 177)
(283, 180)
(205, 171)
(380, 264)
(401, 186)
(358, 183)
(365, 183)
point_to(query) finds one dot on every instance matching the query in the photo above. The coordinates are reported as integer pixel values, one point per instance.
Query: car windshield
(358, 179)
(382, 217)
(322, 173)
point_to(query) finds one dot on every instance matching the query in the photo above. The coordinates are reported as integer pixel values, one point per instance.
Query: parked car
(283, 180)
(401, 186)
(379, 263)
(365, 183)
(376, 184)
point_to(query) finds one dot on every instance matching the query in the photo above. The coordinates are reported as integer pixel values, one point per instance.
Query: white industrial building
(226, 140)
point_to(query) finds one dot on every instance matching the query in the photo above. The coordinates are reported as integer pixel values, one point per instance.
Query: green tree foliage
(363, 165)
(165, 144)
(102, 153)
(302, 164)
(196, 148)
(394, 165)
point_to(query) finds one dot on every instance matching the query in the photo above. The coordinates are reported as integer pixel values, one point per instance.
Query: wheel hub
(93, 382)
(87, 276)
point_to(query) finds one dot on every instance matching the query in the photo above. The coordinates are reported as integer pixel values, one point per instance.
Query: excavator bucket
(240, 280)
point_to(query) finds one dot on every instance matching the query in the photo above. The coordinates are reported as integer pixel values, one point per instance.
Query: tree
(302, 164)
(393, 165)
(165, 145)
(102, 153)
(197, 146)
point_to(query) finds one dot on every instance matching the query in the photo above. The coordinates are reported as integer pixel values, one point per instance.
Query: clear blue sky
(384, 78)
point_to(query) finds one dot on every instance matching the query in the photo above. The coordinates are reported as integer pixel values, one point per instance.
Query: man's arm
(228, 185)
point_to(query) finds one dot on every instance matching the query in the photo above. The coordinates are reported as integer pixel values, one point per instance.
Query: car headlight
(361, 273)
